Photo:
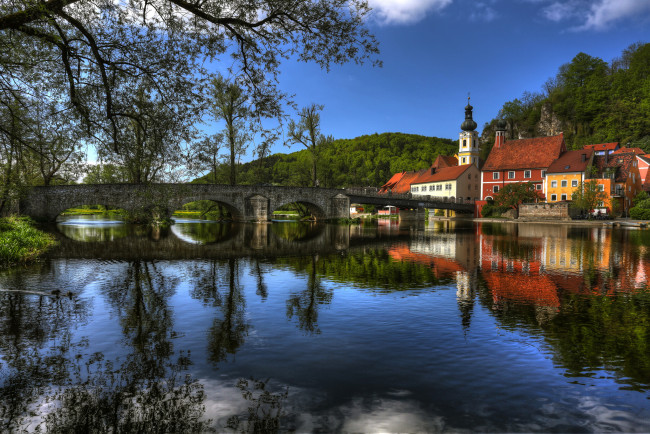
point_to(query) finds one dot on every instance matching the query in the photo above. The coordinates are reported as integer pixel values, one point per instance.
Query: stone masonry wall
(545, 211)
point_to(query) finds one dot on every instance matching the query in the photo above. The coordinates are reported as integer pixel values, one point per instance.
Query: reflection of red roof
(538, 152)
(602, 146)
(571, 161)
(440, 266)
(637, 151)
(533, 289)
(444, 174)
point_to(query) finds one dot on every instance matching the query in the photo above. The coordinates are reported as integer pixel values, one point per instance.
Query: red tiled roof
(602, 146)
(538, 152)
(621, 162)
(444, 174)
(392, 181)
(403, 184)
(637, 151)
(445, 161)
(571, 161)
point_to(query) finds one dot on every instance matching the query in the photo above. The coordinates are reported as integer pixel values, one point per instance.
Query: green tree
(588, 195)
(89, 46)
(512, 195)
(306, 132)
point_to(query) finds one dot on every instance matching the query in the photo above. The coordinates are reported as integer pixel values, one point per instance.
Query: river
(445, 326)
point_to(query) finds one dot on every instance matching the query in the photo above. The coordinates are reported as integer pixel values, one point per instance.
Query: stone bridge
(245, 202)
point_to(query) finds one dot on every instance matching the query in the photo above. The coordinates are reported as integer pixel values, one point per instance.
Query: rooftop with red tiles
(444, 174)
(571, 161)
(538, 152)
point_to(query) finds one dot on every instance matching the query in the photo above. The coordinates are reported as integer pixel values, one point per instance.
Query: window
(563, 197)
(553, 197)
(564, 183)
(438, 187)
(574, 183)
(495, 189)
(495, 175)
(463, 160)
(601, 204)
(526, 173)
(601, 187)
(511, 175)
(553, 184)
(538, 186)
(431, 188)
(543, 173)
(469, 176)
(464, 143)
(415, 189)
(447, 186)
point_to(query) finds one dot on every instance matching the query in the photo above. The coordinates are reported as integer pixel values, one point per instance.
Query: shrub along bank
(21, 242)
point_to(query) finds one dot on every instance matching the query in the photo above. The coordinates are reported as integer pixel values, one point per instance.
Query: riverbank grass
(21, 242)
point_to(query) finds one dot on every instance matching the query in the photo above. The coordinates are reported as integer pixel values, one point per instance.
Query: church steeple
(468, 146)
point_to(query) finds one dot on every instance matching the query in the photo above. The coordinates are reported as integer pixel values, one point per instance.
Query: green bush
(20, 241)
(638, 213)
(491, 210)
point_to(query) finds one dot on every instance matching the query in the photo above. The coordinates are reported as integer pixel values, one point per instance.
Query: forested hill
(363, 161)
(589, 100)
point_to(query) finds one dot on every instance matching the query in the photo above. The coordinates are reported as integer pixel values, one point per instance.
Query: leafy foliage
(364, 161)
(511, 195)
(587, 195)
(595, 102)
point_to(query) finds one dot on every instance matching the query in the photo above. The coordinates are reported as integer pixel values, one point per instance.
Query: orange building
(566, 173)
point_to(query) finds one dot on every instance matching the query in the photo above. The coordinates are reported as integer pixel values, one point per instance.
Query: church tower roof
(468, 124)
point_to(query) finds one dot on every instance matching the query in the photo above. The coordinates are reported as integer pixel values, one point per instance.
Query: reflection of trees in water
(265, 409)
(140, 299)
(305, 304)
(206, 233)
(297, 231)
(588, 332)
(371, 268)
(261, 288)
(48, 383)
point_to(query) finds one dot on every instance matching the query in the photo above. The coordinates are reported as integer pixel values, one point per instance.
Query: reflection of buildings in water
(544, 261)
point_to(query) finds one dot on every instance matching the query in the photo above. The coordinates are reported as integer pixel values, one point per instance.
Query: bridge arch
(233, 209)
(314, 209)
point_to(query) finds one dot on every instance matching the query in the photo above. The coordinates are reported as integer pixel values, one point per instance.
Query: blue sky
(436, 51)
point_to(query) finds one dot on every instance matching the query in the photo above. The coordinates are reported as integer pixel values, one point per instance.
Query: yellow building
(566, 173)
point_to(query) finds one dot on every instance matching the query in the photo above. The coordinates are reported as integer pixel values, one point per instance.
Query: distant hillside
(589, 100)
(363, 161)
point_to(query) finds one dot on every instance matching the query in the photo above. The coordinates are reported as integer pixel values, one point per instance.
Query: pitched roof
(444, 161)
(637, 151)
(620, 162)
(538, 152)
(392, 181)
(444, 174)
(602, 146)
(401, 182)
(571, 161)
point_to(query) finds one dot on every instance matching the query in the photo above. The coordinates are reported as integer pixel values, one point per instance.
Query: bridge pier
(257, 209)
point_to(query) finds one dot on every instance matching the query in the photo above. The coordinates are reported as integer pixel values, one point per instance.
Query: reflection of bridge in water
(245, 202)
(227, 240)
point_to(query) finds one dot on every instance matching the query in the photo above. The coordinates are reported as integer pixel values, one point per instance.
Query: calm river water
(317, 328)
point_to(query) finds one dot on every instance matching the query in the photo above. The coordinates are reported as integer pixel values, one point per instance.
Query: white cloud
(605, 12)
(405, 11)
(596, 14)
(483, 12)
(559, 11)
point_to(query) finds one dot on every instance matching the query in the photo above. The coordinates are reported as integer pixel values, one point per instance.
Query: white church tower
(468, 148)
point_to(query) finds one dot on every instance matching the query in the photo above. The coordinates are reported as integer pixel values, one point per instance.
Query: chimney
(606, 156)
